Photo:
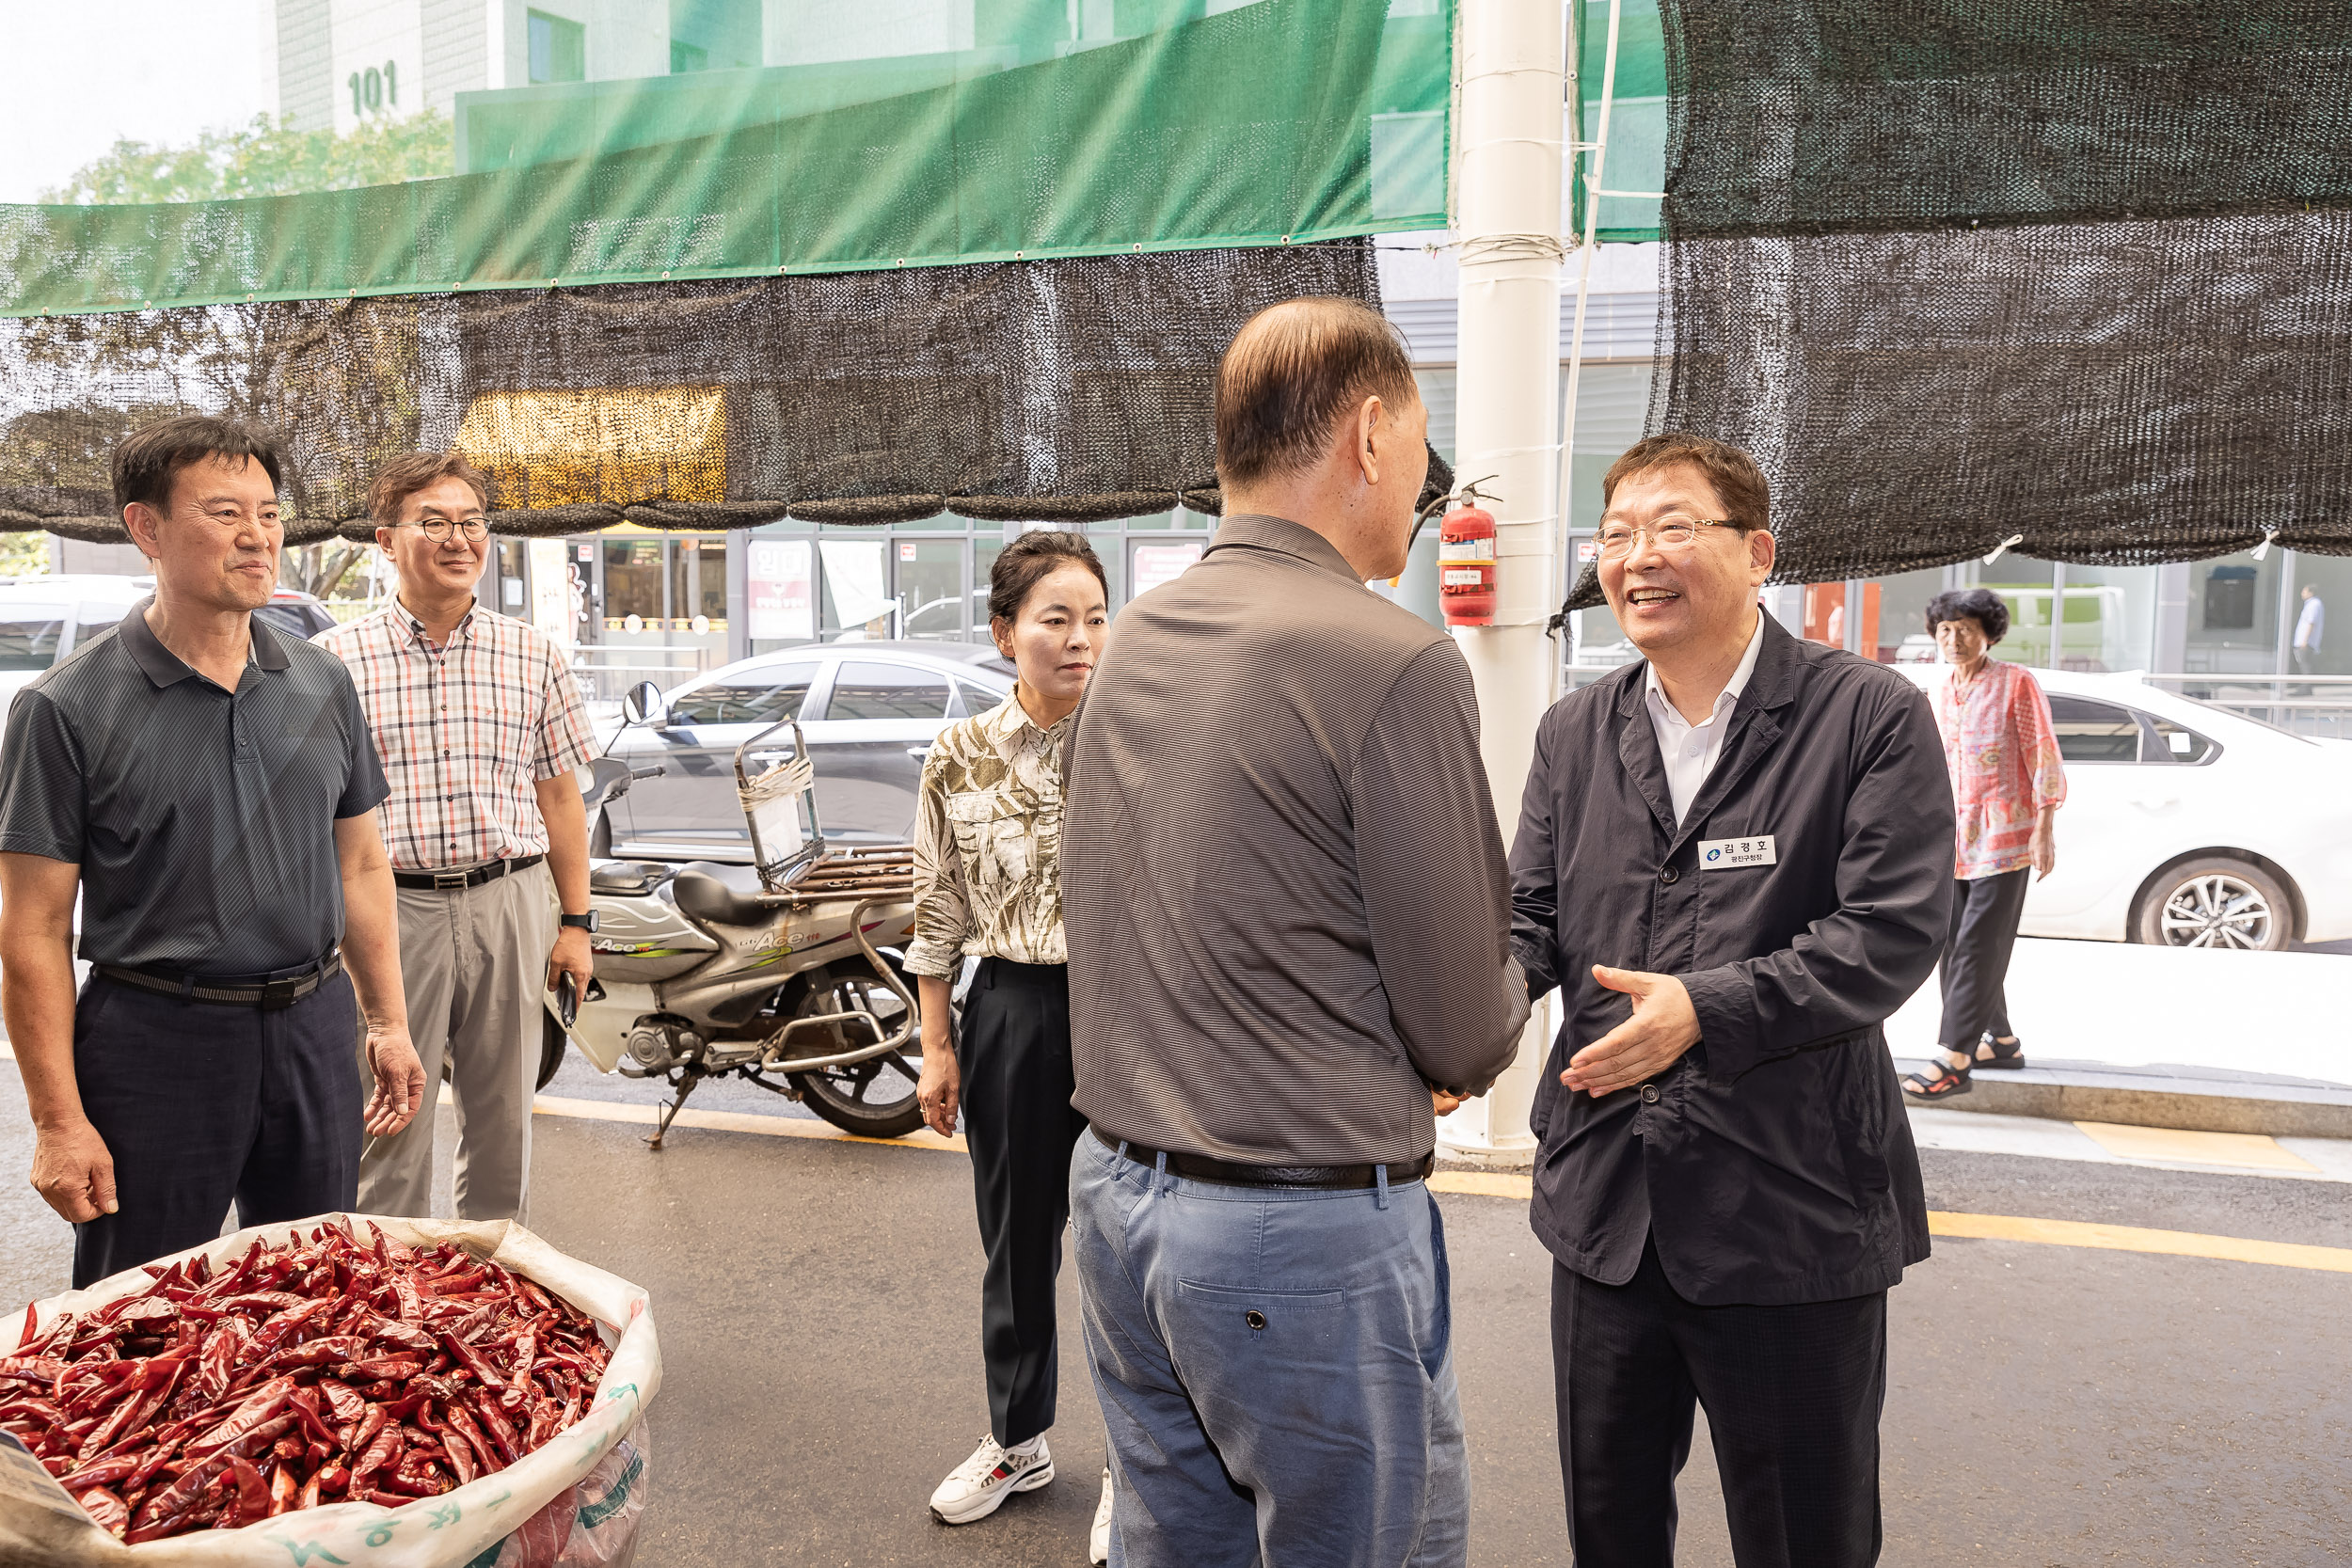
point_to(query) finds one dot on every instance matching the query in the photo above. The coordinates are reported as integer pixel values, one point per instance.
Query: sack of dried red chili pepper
(377, 1393)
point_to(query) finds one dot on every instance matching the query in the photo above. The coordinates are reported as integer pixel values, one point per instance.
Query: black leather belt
(1199, 1167)
(452, 881)
(268, 995)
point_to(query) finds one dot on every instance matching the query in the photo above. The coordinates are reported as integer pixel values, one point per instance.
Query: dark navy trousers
(202, 1105)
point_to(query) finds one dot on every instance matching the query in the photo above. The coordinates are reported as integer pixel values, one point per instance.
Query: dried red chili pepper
(213, 1397)
(284, 1486)
(107, 1509)
(252, 1491)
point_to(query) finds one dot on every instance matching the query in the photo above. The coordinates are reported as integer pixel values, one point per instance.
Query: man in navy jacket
(1733, 859)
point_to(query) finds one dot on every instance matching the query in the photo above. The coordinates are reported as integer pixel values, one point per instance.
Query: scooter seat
(728, 895)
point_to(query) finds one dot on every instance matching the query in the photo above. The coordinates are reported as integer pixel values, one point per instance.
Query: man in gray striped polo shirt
(1286, 905)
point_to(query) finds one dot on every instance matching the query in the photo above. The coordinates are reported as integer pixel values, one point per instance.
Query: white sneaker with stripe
(979, 1486)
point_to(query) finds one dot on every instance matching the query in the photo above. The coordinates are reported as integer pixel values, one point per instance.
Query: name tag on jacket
(1721, 854)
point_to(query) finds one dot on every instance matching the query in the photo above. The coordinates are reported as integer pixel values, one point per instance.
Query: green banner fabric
(1278, 121)
(1636, 159)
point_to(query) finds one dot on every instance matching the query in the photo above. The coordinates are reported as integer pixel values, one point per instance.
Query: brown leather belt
(452, 881)
(1199, 1167)
(269, 995)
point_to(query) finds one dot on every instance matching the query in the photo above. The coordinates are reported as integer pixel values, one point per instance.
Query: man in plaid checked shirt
(479, 725)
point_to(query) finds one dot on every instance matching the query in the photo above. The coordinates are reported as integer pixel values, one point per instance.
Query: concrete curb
(2194, 1099)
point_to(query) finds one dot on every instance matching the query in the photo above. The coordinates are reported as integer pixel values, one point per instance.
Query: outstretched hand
(1662, 1027)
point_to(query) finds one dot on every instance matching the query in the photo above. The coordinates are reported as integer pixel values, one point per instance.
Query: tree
(263, 158)
(240, 364)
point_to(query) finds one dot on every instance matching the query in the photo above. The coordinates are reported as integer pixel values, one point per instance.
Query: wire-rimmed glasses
(1615, 540)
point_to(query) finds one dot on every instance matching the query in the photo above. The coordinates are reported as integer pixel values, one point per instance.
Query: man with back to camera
(1287, 908)
(1735, 858)
(211, 790)
(480, 725)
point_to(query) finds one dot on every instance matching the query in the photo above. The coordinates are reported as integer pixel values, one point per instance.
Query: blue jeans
(1276, 1370)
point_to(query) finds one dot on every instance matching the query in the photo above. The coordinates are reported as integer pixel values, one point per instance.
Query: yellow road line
(1483, 1183)
(2133, 1237)
(2008, 1228)
(2250, 1151)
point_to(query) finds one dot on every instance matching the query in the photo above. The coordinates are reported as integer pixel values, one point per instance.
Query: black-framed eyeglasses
(472, 530)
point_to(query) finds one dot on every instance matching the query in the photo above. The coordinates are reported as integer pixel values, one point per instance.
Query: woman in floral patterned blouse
(2008, 783)
(988, 886)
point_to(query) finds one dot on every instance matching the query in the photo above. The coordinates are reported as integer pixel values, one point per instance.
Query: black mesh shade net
(1068, 392)
(2072, 273)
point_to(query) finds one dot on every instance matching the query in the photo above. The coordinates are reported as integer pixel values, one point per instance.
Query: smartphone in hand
(567, 999)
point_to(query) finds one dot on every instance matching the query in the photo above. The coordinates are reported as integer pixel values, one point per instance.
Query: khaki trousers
(474, 965)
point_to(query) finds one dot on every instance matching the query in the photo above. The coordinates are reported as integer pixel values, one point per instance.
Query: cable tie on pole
(1512, 247)
(2003, 548)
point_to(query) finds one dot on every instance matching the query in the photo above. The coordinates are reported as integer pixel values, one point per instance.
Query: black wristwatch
(582, 922)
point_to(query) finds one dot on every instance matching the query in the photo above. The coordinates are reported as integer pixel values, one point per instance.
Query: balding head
(1292, 376)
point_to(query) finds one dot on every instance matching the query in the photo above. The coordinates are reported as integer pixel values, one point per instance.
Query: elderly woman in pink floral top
(2008, 783)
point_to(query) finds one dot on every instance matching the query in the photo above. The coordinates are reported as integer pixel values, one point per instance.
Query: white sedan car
(2188, 824)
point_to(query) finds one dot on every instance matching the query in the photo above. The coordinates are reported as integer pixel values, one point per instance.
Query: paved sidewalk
(2158, 1095)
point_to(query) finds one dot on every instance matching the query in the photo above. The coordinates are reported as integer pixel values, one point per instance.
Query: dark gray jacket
(1772, 1163)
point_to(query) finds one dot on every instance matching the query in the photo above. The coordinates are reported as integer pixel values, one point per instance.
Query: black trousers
(1018, 1124)
(1792, 1395)
(202, 1105)
(1976, 957)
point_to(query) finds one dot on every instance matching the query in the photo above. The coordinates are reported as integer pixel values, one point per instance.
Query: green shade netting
(1273, 122)
(1636, 159)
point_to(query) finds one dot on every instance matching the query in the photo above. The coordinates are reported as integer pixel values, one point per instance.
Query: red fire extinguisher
(1465, 566)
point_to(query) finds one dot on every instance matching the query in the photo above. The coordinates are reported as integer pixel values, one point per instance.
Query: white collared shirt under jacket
(1688, 750)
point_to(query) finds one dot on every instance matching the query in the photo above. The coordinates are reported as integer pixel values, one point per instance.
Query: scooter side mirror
(641, 704)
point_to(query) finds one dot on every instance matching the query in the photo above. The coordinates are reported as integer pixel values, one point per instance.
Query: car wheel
(2215, 901)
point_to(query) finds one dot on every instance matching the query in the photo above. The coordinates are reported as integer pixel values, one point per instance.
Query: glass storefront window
(2110, 620)
(779, 590)
(633, 585)
(933, 599)
(698, 583)
(507, 595)
(1902, 617)
(854, 592)
(2233, 615)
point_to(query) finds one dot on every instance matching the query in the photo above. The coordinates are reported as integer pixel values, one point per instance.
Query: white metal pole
(1506, 396)
(1598, 147)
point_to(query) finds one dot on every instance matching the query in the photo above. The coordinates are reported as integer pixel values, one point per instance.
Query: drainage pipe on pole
(1507, 401)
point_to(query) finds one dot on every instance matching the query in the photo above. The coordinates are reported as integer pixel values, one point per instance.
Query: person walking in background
(480, 725)
(2007, 782)
(988, 885)
(1733, 860)
(1287, 913)
(209, 789)
(2311, 630)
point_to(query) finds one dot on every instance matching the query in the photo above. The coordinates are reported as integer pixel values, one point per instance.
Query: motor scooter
(786, 973)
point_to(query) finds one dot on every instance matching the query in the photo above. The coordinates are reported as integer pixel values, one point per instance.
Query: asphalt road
(2047, 1405)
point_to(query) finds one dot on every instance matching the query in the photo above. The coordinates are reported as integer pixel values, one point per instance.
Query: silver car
(870, 711)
